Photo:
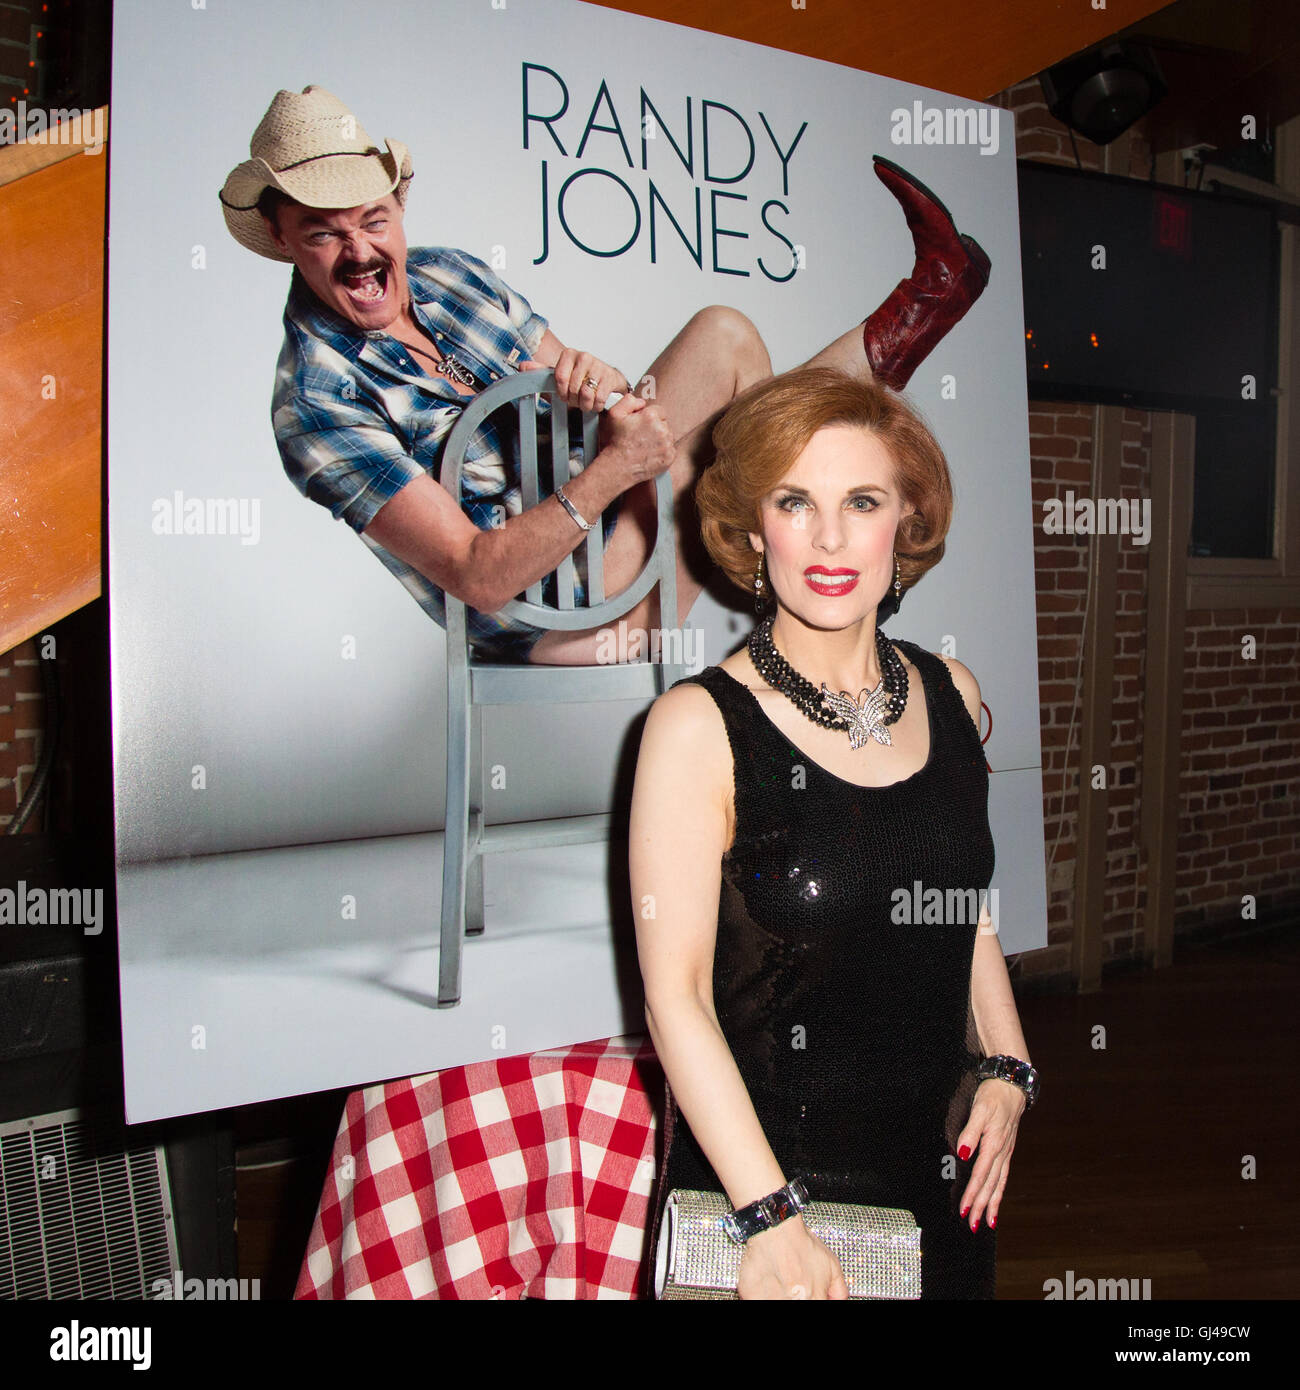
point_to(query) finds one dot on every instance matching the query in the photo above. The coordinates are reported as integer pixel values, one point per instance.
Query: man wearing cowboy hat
(383, 343)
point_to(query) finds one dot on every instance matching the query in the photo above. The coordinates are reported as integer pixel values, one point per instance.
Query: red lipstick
(827, 588)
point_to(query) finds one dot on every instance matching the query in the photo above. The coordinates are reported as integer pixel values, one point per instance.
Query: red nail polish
(993, 1223)
(964, 1210)
(963, 1153)
(975, 1228)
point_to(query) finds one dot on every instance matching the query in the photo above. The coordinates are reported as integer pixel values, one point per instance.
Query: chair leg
(454, 853)
(474, 922)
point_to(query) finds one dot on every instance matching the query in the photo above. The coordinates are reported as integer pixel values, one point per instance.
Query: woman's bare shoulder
(685, 739)
(685, 766)
(687, 713)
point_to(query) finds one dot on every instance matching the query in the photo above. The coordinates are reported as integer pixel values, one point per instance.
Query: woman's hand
(574, 373)
(994, 1118)
(788, 1262)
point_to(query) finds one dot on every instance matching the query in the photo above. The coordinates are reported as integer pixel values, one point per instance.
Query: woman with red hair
(809, 1032)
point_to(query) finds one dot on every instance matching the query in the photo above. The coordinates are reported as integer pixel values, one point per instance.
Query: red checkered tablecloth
(528, 1177)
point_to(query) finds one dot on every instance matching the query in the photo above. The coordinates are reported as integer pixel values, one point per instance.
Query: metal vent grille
(79, 1216)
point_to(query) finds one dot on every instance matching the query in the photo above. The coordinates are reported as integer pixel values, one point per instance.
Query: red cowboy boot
(950, 273)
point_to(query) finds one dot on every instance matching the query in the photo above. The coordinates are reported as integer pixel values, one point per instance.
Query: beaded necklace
(860, 719)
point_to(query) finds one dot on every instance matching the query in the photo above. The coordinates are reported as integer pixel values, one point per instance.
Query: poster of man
(346, 248)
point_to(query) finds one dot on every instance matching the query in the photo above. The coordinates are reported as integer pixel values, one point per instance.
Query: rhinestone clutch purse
(879, 1248)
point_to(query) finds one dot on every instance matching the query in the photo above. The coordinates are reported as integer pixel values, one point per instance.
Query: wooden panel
(1173, 455)
(51, 367)
(1095, 734)
(973, 50)
(30, 156)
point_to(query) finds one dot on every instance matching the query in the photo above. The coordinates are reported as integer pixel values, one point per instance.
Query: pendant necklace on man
(867, 717)
(447, 365)
(454, 370)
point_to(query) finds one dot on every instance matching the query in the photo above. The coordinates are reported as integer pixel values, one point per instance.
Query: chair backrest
(522, 390)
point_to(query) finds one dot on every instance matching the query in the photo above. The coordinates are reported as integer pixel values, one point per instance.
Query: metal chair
(472, 683)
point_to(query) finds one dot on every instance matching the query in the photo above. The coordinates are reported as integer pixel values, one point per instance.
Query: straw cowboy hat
(311, 147)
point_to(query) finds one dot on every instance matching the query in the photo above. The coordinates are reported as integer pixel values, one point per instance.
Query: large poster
(278, 697)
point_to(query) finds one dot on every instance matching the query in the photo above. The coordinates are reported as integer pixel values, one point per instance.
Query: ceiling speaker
(1102, 92)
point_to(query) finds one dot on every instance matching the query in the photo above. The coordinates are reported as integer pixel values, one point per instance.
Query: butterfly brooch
(863, 720)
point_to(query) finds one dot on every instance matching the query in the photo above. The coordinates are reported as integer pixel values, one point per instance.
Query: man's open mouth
(366, 286)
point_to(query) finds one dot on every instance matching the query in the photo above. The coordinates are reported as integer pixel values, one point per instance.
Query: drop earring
(893, 596)
(758, 585)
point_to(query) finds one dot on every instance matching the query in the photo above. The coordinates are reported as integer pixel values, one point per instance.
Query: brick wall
(21, 722)
(1239, 809)
(1239, 815)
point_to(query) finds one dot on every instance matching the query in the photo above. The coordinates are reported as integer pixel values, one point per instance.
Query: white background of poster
(229, 655)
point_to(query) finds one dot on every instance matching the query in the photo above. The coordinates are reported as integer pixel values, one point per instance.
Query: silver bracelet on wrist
(1012, 1069)
(766, 1213)
(571, 509)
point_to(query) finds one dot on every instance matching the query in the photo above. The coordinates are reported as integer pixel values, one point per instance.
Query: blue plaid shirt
(356, 419)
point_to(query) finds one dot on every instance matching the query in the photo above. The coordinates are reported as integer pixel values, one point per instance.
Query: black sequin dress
(849, 1018)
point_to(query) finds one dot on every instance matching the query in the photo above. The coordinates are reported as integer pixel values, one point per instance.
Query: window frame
(1240, 582)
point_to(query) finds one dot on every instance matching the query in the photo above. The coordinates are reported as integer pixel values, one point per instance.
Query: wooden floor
(1158, 1092)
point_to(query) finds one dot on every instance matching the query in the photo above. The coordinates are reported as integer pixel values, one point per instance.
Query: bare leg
(846, 354)
(717, 355)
